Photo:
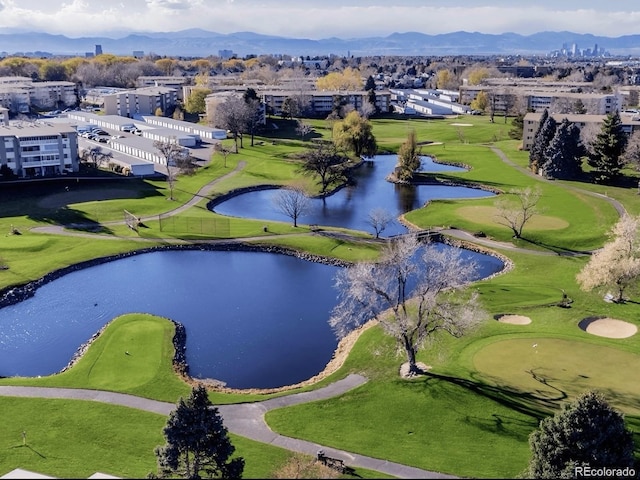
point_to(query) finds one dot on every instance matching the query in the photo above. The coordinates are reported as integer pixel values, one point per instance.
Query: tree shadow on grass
(562, 251)
(536, 404)
(71, 219)
(30, 448)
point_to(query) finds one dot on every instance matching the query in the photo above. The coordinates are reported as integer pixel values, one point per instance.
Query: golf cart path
(244, 419)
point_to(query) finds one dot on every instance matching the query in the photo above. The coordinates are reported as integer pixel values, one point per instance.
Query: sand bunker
(514, 319)
(462, 124)
(608, 327)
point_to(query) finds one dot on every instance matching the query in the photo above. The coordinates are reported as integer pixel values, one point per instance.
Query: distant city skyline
(317, 19)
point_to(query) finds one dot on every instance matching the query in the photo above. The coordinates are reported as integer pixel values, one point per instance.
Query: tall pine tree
(606, 157)
(545, 133)
(197, 442)
(562, 159)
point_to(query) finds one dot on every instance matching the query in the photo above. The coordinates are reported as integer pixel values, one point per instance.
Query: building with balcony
(141, 101)
(34, 149)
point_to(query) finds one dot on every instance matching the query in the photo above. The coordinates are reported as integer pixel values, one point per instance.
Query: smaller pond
(350, 206)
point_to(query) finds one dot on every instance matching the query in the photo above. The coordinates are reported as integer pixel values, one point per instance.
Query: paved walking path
(245, 419)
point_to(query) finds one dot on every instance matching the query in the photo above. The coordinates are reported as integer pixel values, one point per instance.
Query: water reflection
(350, 206)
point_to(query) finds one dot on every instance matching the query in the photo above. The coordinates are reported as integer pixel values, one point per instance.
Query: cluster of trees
(558, 150)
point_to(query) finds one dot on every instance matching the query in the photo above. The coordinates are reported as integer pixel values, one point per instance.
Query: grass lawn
(471, 416)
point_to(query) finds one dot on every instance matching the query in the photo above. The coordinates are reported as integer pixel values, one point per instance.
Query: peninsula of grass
(470, 416)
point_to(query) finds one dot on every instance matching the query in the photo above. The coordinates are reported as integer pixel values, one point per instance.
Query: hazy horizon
(314, 19)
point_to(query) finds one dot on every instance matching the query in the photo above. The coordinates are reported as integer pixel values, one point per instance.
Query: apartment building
(630, 124)
(34, 149)
(141, 101)
(176, 83)
(537, 95)
(4, 116)
(20, 94)
(321, 103)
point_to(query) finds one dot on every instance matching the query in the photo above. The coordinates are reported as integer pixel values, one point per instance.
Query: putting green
(486, 214)
(550, 368)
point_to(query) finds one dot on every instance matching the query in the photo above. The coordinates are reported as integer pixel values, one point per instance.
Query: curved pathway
(245, 419)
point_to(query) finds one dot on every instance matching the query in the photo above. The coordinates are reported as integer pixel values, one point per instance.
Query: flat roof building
(34, 149)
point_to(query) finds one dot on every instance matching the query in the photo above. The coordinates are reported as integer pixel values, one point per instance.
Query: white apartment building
(33, 149)
(4, 116)
(141, 101)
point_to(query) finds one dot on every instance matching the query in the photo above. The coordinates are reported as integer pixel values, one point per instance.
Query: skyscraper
(98, 49)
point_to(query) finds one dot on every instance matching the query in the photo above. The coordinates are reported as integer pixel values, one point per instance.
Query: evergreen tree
(586, 432)
(545, 133)
(197, 443)
(606, 156)
(562, 158)
(371, 84)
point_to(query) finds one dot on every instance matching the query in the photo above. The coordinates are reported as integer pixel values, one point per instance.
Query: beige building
(141, 101)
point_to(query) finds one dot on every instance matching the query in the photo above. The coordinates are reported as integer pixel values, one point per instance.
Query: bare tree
(516, 213)
(367, 110)
(617, 264)
(292, 202)
(379, 219)
(412, 293)
(177, 159)
(96, 155)
(631, 155)
(232, 115)
(224, 151)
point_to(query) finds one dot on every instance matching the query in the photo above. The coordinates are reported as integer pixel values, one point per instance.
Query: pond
(349, 207)
(253, 319)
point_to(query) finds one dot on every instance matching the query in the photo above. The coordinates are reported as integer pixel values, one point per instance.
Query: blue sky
(321, 18)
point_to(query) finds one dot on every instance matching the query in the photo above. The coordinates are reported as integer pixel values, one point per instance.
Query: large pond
(253, 319)
(350, 206)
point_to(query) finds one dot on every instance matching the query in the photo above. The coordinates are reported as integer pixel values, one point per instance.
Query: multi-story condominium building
(53, 94)
(630, 124)
(521, 95)
(19, 94)
(321, 103)
(165, 81)
(33, 149)
(142, 101)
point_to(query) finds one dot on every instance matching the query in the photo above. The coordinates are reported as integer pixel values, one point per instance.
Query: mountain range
(202, 43)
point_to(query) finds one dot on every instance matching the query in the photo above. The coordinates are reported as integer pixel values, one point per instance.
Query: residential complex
(35, 149)
(141, 101)
(21, 94)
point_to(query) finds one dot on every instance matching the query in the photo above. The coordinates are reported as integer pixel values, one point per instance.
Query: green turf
(470, 417)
